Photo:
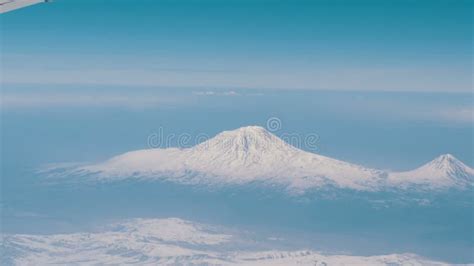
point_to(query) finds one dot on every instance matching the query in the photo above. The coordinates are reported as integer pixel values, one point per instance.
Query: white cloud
(75, 99)
(164, 72)
(460, 114)
(216, 93)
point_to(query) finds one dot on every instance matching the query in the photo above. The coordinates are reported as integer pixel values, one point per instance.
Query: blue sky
(336, 45)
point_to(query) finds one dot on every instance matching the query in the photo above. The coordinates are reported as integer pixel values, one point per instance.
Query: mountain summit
(252, 141)
(444, 171)
(252, 154)
(446, 162)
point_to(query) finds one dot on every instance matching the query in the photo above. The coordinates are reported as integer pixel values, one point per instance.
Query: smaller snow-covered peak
(444, 161)
(444, 171)
(448, 165)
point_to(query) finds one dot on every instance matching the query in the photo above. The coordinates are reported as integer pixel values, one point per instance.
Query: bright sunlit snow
(170, 242)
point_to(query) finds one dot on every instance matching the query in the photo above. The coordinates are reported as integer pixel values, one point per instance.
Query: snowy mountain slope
(443, 172)
(168, 242)
(252, 154)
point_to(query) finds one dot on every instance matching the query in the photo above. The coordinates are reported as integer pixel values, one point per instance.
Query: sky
(321, 45)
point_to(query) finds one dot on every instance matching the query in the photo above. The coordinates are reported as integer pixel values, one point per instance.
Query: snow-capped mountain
(169, 242)
(245, 155)
(443, 172)
(254, 155)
